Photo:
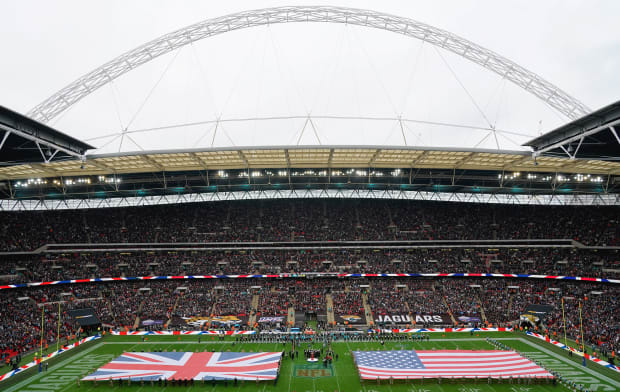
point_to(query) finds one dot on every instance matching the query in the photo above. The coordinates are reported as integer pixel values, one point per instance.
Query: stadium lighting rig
(109, 180)
(30, 182)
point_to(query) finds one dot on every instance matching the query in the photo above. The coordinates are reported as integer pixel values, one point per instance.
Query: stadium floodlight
(30, 181)
(282, 173)
(396, 173)
(111, 180)
(222, 174)
(256, 173)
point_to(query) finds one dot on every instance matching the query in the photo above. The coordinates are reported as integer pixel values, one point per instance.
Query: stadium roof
(308, 157)
(23, 139)
(593, 136)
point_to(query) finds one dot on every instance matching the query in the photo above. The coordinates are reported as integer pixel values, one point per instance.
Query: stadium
(305, 198)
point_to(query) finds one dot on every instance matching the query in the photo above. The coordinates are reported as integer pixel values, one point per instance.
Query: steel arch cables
(529, 81)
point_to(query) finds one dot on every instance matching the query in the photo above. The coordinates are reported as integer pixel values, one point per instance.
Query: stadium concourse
(276, 237)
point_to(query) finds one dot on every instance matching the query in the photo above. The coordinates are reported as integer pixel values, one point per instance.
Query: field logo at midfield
(313, 371)
(200, 321)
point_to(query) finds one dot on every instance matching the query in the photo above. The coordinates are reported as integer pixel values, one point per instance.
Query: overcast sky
(317, 69)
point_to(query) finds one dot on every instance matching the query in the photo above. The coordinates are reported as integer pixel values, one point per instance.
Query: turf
(297, 376)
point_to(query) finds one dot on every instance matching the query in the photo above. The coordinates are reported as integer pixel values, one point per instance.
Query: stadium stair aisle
(254, 307)
(407, 307)
(291, 316)
(176, 303)
(369, 315)
(109, 306)
(443, 298)
(482, 314)
(137, 322)
(330, 309)
(510, 302)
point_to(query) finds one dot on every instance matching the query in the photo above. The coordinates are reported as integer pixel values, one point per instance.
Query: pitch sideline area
(298, 375)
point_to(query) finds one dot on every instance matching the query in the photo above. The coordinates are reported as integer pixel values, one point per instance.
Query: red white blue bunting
(314, 274)
(444, 330)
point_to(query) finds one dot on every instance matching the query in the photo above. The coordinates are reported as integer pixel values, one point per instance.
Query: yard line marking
(573, 364)
(59, 365)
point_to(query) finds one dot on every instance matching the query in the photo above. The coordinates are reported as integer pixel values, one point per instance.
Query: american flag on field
(445, 363)
(188, 365)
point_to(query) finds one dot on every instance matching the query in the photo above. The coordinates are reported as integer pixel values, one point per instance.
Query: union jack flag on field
(188, 365)
(445, 363)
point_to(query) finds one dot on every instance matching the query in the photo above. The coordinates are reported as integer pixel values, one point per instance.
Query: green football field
(300, 376)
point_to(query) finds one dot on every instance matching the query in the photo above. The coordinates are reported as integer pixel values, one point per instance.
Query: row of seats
(308, 220)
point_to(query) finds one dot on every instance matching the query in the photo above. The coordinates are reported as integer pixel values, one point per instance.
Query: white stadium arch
(527, 80)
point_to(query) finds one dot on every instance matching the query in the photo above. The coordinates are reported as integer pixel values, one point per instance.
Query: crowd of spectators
(385, 297)
(347, 300)
(309, 296)
(463, 300)
(536, 260)
(23, 312)
(308, 220)
(159, 301)
(234, 298)
(493, 301)
(196, 299)
(273, 303)
(423, 299)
